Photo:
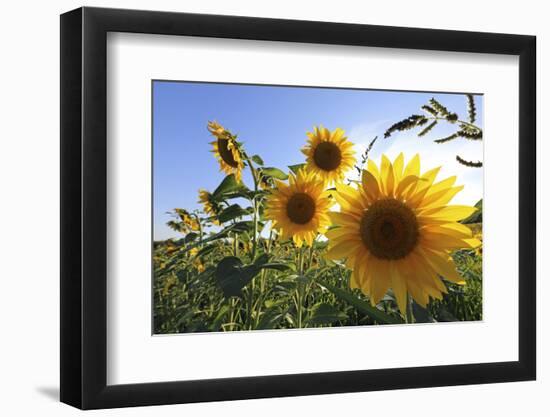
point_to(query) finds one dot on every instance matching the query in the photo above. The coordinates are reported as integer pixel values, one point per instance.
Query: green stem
(409, 318)
(200, 226)
(299, 295)
(458, 121)
(236, 245)
(254, 206)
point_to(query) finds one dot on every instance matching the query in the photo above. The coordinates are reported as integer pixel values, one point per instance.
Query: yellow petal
(390, 181)
(398, 167)
(370, 185)
(416, 293)
(440, 241)
(399, 285)
(385, 166)
(360, 267)
(444, 265)
(354, 281)
(343, 233)
(344, 219)
(404, 184)
(413, 167)
(452, 229)
(379, 280)
(341, 249)
(440, 198)
(451, 213)
(372, 168)
(473, 242)
(415, 196)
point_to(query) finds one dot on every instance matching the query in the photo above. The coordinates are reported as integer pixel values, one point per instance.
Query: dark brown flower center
(300, 208)
(389, 229)
(327, 156)
(226, 153)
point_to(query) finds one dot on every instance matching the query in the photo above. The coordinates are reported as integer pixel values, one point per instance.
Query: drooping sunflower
(329, 154)
(197, 262)
(397, 230)
(185, 222)
(299, 210)
(210, 207)
(226, 150)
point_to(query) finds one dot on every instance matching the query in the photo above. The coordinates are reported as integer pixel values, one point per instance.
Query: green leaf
(262, 262)
(190, 237)
(206, 250)
(363, 306)
(447, 138)
(421, 315)
(471, 108)
(323, 313)
(427, 129)
(231, 213)
(269, 319)
(440, 108)
(232, 275)
(239, 227)
(218, 321)
(445, 315)
(228, 185)
(471, 164)
(276, 266)
(274, 173)
(410, 122)
(296, 168)
(262, 259)
(257, 159)
(477, 216)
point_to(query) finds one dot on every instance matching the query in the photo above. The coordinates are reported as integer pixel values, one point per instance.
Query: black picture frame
(84, 207)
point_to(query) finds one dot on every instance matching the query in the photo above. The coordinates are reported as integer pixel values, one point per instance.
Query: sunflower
(197, 262)
(226, 150)
(299, 210)
(186, 222)
(396, 230)
(329, 155)
(210, 207)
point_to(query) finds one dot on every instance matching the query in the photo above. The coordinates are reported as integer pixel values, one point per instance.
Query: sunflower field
(338, 239)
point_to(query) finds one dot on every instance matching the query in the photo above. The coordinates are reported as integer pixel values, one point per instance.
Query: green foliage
(437, 112)
(296, 168)
(274, 173)
(232, 275)
(363, 306)
(323, 313)
(476, 217)
(232, 212)
(471, 108)
(410, 122)
(257, 159)
(427, 128)
(471, 164)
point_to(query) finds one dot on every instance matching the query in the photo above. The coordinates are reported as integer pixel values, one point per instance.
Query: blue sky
(273, 121)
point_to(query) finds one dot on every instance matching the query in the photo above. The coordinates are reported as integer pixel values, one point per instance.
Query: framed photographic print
(258, 208)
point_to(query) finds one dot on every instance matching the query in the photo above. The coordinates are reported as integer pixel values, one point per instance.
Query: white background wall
(29, 225)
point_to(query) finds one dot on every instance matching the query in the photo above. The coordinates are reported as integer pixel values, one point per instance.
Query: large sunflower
(210, 207)
(226, 150)
(396, 230)
(329, 155)
(299, 210)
